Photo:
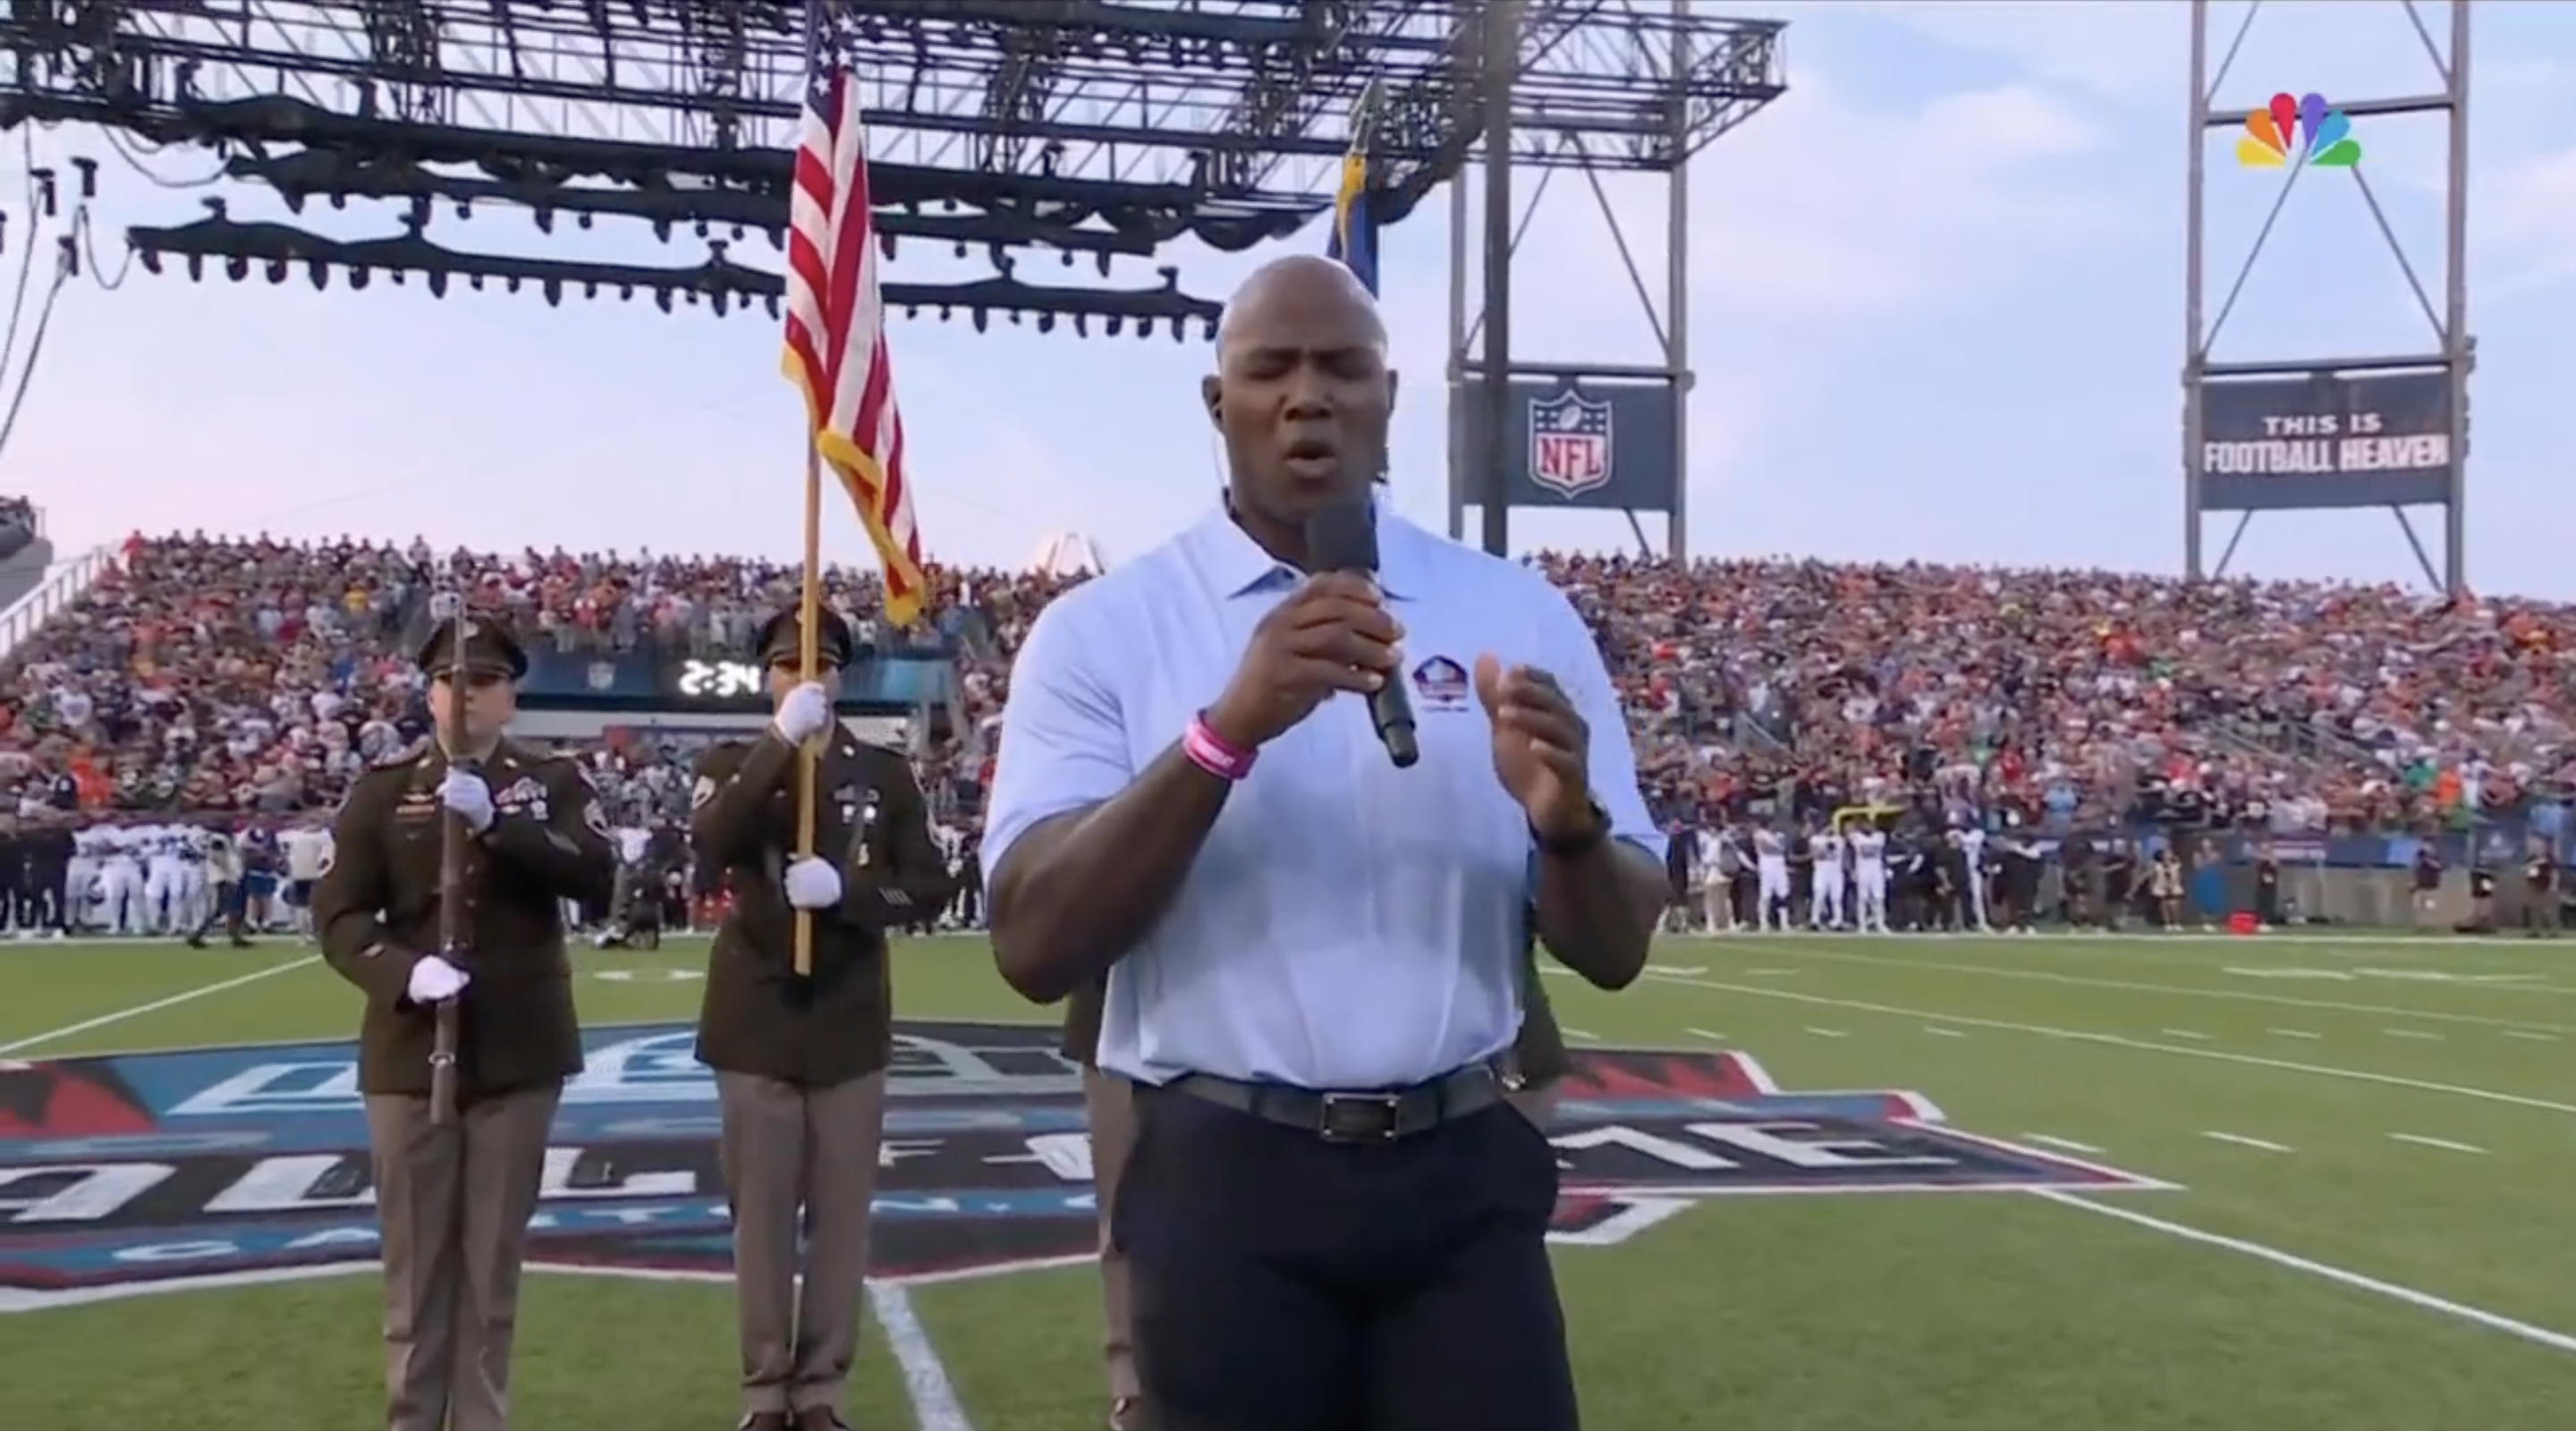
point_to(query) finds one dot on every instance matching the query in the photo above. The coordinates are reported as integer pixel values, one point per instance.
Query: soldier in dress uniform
(800, 1062)
(453, 1201)
(1109, 1107)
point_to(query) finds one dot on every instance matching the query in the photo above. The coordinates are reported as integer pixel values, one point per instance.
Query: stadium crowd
(260, 676)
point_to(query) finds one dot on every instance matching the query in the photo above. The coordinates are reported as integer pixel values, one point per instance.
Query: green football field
(2351, 1163)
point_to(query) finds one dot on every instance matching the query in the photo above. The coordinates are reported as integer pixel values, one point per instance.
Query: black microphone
(1343, 537)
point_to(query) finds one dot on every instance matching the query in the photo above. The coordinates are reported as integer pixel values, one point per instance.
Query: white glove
(803, 715)
(434, 979)
(467, 795)
(813, 884)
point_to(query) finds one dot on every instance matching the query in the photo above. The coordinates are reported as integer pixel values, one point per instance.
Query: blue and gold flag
(1353, 241)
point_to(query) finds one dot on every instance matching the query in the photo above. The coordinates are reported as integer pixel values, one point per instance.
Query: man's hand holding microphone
(1334, 634)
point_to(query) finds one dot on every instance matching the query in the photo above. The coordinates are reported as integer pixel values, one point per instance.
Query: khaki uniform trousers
(1109, 1102)
(453, 1204)
(799, 1161)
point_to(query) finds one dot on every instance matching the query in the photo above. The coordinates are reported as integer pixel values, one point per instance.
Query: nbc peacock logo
(2298, 131)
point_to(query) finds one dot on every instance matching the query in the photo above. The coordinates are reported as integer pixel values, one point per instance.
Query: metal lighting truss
(1084, 127)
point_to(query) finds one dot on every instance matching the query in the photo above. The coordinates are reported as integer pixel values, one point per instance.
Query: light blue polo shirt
(1347, 925)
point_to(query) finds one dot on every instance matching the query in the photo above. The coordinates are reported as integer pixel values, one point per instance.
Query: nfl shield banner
(1569, 443)
(1590, 444)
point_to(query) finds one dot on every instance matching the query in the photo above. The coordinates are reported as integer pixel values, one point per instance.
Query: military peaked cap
(489, 647)
(781, 638)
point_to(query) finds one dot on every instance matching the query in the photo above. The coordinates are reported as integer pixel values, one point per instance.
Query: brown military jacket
(1539, 1054)
(376, 908)
(757, 1018)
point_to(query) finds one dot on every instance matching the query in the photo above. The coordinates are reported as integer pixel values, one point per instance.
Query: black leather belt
(1374, 1117)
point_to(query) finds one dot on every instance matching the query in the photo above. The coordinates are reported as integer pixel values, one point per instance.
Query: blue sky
(1937, 313)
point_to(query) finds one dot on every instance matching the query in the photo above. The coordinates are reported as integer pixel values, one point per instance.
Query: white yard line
(2445, 1144)
(2359, 1282)
(2087, 981)
(2531, 1035)
(925, 1377)
(2417, 1034)
(2068, 1145)
(2184, 1033)
(2242, 1141)
(1710, 1035)
(2248, 1060)
(1586, 1035)
(173, 1001)
(1826, 1033)
(2293, 1033)
(1939, 1032)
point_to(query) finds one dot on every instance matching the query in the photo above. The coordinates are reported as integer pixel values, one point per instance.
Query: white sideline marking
(2242, 1141)
(2445, 1144)
(2184, 1033)
(2354, 1075)
(2242, 996)
(1938, 1032)
(157, 1005)
(2293, 1033)
(2359, 1282)
(2533, 1037)
(925, 1377)
(1825, 1033)
(2067, 1144)
(1710, 1035)
(2413, 1034)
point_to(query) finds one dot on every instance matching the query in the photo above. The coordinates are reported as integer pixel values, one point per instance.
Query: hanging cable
(67, 264)
(118, 142)
(42, 203)
(88, 230)
(26, 264)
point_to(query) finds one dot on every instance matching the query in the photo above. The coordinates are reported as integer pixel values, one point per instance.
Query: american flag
(836, 344)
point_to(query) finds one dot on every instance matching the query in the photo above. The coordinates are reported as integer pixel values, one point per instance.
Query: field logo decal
(138, 1173)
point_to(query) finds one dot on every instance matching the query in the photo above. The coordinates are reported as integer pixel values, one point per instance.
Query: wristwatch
(1582, 841)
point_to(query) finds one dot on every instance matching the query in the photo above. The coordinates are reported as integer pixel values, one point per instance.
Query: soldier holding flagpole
(801, 1042)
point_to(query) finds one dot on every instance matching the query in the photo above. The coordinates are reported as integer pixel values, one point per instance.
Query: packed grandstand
(256, 677)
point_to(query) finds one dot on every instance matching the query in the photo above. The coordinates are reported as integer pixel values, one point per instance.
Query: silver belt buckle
(1360, 1117)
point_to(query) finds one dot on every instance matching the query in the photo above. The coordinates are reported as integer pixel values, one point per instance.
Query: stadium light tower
(1586, 88)
(2328, 432)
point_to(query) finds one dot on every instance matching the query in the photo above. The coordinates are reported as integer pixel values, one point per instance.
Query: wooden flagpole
(809, 638)
(451, 886)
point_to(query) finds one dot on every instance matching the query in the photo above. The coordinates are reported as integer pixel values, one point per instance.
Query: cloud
(2126, 49)
(1833, 228)
(2526, 219)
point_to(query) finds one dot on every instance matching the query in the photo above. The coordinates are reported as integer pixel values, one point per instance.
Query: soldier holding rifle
(799, 1030)
(443, 903)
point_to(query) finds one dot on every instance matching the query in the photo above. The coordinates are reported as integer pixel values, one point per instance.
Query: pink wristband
(1213, 753)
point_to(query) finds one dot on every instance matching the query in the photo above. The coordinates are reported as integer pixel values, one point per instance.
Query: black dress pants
(1281, 1282)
